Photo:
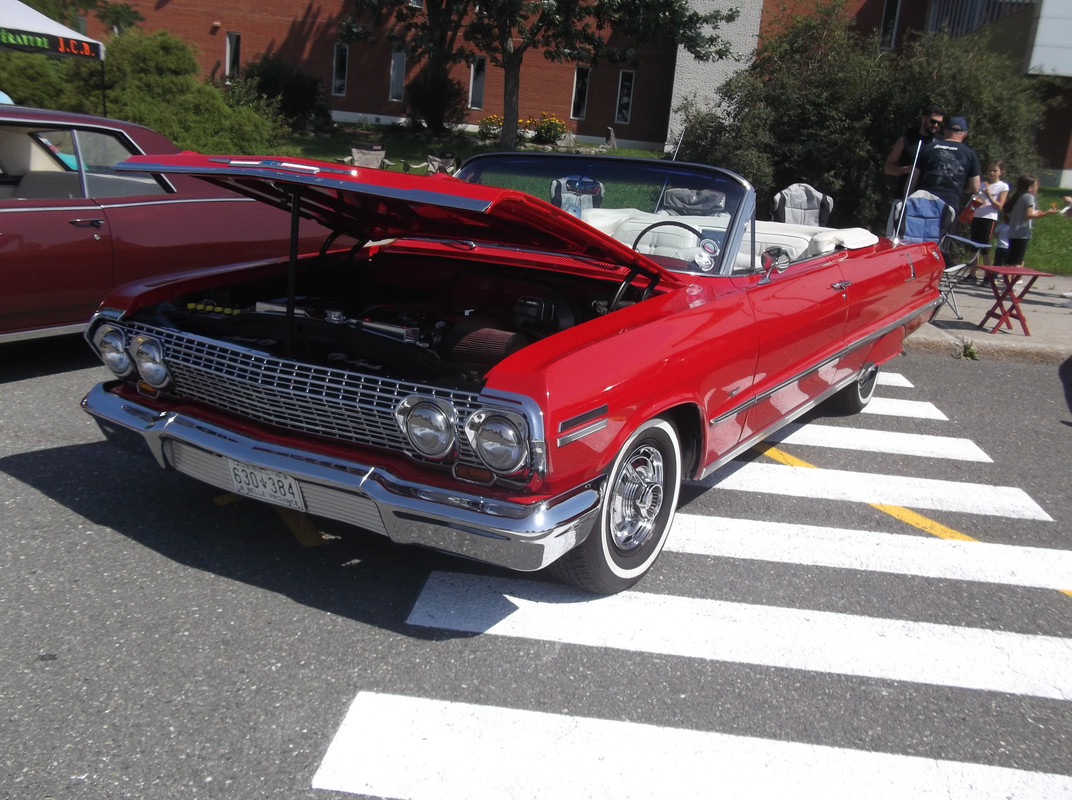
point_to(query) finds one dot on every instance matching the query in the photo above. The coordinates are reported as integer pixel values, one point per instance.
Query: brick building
(365, 81)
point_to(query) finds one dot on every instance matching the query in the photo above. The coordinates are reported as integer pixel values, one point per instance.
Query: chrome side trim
(755, 438)
(587, 430)
(862, 341)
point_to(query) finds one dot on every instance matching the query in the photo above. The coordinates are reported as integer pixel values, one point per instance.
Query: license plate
(265, 484)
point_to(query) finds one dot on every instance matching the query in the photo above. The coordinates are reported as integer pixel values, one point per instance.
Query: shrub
(546, 129)
(301, 98)
(435, 100)
(489, 128)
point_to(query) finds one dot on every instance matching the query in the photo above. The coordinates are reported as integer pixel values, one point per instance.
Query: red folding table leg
(1019, 312)
(997, 311)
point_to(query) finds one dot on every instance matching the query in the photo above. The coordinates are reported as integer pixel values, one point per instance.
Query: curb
(930, 339)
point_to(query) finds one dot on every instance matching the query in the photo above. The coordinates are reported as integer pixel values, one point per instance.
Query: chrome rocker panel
(513, 535)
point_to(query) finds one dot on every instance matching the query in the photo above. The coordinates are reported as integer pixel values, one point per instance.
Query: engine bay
(399, 316)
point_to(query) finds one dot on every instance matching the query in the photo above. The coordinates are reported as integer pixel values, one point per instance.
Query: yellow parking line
(897, 512)
(302, 528)
(299, 525)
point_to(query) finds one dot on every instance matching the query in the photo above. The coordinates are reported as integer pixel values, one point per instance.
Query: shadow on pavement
(21, 361)
(355, 574)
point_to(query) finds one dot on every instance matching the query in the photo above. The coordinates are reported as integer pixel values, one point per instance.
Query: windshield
(687, 216)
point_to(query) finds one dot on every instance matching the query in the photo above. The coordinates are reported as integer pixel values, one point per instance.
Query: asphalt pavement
(1047, 308)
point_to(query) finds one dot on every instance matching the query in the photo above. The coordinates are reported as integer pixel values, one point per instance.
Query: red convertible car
(517, 380)
(72, 227)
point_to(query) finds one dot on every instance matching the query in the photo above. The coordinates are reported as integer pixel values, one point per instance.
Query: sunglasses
(934, 122)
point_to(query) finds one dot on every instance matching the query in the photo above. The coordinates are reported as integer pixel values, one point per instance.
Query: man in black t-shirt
(903, 153)
(948, 168)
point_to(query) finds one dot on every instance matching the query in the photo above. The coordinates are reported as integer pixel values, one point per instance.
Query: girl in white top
(992, 194)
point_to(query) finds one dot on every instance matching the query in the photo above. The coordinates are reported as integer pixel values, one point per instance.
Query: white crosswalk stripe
(791, 543)
(916, 409)
(522, 753)
(860, 487)
(872, 441)
(392, 746)
(894, 379)
(890, 649)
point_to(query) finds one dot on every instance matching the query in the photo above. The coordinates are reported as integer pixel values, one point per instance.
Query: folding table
(1010, 277)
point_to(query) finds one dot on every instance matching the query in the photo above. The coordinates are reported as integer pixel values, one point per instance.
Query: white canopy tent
(23, 28)
(29, 31)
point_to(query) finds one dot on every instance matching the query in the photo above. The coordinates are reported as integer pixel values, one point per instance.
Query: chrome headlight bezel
(147, 354)
(429, 425)
(110, 342)
(500, 439)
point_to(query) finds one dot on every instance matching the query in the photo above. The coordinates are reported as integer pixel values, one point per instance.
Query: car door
(55, 244)
(883, 284)
(800, 319)
(199, 226)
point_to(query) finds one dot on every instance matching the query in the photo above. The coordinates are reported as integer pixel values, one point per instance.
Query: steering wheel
(706, 257)
(692, 229)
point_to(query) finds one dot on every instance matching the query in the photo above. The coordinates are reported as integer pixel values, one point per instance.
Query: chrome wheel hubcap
(637, 497)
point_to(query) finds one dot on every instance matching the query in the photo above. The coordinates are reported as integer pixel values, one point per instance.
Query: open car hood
(373, 204)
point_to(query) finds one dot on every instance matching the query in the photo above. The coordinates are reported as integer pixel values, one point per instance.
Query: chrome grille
(305, 398)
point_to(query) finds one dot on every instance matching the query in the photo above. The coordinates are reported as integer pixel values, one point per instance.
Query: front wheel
(638, 508)
(855, 397)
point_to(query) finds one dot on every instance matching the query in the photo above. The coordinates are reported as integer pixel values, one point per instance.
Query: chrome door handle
(87, 223)
(841, 285)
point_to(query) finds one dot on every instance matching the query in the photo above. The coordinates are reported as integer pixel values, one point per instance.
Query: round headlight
(111, 345)
(429, 425)
(149, 358)
(500, 443)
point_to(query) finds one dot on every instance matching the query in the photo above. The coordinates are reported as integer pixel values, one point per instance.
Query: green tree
(823, 103)
(31, 79)
(429, 33)
(152, 79)
(117, 16)
(300, 97)
(583, 31)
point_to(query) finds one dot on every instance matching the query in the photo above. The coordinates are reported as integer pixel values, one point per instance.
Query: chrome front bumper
(513, 535)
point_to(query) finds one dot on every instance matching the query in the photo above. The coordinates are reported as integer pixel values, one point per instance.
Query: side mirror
(774, 258)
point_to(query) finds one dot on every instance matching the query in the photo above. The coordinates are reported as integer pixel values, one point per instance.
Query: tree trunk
(511, 93)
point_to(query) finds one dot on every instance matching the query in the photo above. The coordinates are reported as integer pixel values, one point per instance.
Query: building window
(625, 97)
(417, 3)
(233, 56)
(476, 82)
(580, 92)
(398, 76)
(891, 12)
(338, 69)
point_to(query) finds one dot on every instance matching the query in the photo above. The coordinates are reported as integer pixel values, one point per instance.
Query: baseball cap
(957, 124)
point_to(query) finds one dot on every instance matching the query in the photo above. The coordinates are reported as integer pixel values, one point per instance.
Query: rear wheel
(855, 397)
(638, 509)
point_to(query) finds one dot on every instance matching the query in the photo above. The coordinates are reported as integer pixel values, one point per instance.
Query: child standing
(1021, 210)
(993, 194)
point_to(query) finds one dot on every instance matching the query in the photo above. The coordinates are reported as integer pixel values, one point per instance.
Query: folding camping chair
(927, 218)
(436, 162)
(802, 204)
(367, 154)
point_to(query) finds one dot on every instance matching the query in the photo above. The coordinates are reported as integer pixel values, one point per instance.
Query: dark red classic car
(72, 227)
(517, 380)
